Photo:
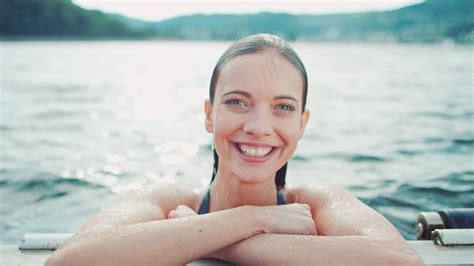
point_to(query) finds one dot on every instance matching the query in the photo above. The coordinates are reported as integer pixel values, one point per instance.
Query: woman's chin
(253, 177)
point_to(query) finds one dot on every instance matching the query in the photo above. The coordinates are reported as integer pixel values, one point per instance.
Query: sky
(155, 10)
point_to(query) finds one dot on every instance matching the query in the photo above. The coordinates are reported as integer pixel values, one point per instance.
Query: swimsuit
(204, 207)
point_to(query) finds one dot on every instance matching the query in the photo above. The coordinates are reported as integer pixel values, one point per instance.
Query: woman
(256, 113)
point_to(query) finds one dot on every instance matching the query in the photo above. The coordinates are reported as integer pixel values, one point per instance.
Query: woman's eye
(286, 107)
(235, 102)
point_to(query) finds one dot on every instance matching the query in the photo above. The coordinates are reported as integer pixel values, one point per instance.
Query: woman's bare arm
(349, 233)
(279, 249)
(135, 231)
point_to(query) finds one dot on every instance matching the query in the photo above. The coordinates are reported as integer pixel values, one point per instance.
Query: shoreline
(32, 38)
(9, 39)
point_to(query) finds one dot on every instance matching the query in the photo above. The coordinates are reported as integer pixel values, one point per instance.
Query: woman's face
(256, 117)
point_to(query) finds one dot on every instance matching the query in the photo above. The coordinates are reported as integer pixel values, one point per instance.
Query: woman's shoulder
(161, 193)
(316, 188)
(331, 202)
(319, 194)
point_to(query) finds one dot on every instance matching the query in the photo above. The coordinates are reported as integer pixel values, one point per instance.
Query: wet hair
(254, 44)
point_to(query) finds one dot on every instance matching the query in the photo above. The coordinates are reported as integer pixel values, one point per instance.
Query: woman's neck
(228, 191)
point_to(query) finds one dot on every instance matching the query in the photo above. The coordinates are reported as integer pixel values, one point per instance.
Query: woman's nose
(258, 124)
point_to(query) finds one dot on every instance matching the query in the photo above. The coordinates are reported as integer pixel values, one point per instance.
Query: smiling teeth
(254, 152)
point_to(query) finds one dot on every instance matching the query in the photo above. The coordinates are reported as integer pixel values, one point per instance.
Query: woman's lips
(254, 153)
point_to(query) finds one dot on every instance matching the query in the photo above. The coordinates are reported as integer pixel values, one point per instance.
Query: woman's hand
(293, 218)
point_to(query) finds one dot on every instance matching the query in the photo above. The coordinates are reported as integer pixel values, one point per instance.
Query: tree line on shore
(430, 21)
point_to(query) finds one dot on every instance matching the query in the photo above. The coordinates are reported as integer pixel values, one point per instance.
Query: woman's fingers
(186, 210)
(181, 211)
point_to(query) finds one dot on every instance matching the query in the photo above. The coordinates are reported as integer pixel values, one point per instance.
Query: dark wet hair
(253, 44)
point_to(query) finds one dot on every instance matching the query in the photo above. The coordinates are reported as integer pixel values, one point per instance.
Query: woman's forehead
(266, 70)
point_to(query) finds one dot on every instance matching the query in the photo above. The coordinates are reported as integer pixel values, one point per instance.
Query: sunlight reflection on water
(82, 121)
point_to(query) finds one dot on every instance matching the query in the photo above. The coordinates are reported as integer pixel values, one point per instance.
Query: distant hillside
(431, 21)
(60, 18)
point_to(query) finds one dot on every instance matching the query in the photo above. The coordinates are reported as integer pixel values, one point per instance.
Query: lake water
(81, 121)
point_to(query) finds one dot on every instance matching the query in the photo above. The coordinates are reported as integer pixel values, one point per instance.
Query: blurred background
(103, 97)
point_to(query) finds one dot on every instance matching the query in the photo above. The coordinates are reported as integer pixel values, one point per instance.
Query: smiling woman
(256, 114)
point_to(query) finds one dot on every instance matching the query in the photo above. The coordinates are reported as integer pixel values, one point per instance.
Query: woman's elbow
(68, 256)
(405, 257)
(394, 251)
(413, 259)
(56, 259)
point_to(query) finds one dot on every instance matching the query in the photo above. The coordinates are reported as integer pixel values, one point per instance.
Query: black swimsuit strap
(280, 198)
(204, 207)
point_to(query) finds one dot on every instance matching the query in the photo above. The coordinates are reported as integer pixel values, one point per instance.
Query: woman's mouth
(252, 153)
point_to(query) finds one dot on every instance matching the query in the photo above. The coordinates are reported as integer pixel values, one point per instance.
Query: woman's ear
(208, 112)
(304, 121)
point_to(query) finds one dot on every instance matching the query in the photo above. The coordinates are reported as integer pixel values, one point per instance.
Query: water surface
(83, 121)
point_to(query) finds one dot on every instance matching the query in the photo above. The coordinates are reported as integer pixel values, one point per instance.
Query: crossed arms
(136, 231)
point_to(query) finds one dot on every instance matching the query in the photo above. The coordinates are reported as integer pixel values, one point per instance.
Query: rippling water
(82, 121)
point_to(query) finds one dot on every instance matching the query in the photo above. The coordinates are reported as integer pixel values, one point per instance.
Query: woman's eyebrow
(248, 95)
(287, 97)
(244, 93)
